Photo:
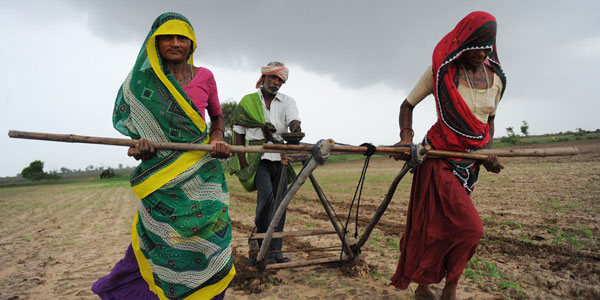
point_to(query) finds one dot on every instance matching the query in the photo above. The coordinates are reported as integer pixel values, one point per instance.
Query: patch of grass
(509, 284)
(557, 232)
(376, 241)
(585, 231)
(512, 224)
(478, 269)
(376, 236)
(20, 207)
(293, 220)
(393, 243)
(379, 276)
(592, 137)
(549, 204)
(317, 281)
(412, 293)
(552, 205)
(487, 220)
(375, 244)
(577, 237)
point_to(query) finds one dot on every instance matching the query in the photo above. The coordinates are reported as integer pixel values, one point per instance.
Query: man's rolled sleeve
(239, 129)
(291, 112)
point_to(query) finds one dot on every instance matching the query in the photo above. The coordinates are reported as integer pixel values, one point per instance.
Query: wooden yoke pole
(479, 154)
(72, 138)
(281, 148)
(559, 151)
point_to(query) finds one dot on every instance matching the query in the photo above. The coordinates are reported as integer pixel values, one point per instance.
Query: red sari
(443, 227)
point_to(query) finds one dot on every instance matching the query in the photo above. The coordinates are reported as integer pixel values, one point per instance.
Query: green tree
(511, 137)
(52, 175)
(525, 128)
(580, 132)
(227, 109)
(35, 171)
(510, 131)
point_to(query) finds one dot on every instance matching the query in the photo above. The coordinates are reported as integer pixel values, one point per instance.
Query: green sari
(181, 234)
(249, 113)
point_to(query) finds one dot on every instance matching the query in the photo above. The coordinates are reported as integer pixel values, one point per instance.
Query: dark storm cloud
(359, 43)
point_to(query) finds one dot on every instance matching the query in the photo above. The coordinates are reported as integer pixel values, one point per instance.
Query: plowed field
(541, 234)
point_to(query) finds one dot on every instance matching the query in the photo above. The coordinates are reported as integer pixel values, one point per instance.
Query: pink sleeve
(214, 106)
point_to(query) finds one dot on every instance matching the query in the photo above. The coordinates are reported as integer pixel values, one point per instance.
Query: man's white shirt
(283, 110)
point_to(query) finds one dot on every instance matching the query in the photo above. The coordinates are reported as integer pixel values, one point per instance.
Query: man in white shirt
(262, 117)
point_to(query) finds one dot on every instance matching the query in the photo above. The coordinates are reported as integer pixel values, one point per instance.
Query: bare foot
(424, 293)
(449, 292)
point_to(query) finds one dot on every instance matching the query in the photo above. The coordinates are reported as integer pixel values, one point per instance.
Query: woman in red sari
(443, 227)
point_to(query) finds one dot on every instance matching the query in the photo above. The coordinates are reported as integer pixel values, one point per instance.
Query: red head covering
(457, 128)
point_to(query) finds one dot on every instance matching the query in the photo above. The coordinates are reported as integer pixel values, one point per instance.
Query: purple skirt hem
(125, 282)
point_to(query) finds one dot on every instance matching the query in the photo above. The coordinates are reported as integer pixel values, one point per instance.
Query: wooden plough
(293, 153)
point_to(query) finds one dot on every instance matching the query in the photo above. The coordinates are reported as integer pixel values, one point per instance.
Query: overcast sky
(351, 65)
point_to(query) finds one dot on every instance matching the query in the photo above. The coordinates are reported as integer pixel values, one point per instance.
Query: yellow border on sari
(163, 176)
(207, 292)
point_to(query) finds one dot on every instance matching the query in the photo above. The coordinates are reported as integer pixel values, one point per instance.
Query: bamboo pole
(73, 138)
(280, 148)
(559, 151)
(480, 154)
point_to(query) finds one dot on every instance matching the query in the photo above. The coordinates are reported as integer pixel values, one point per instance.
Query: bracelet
(407, 128)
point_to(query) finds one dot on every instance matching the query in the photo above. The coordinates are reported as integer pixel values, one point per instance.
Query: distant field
(541, 233)
(547, 138)
(67, 178)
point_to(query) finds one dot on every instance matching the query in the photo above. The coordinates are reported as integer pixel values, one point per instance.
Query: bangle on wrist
(407, 128)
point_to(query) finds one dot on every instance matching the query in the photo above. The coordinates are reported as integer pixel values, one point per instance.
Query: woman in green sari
(181, 234)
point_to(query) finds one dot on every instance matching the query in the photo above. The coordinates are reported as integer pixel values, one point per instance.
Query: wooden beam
(281, 148)
(562, 151)
(73, 138)
(295, 264)
(330, 248)
(479, 154)
(278, 235)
